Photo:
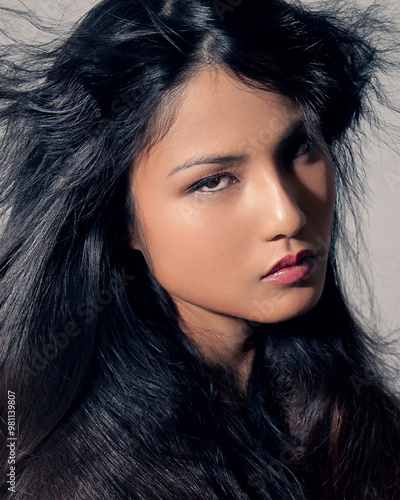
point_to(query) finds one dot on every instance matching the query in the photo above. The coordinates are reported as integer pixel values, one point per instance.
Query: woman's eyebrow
(291, 132)
(205, 160)
(229, 159)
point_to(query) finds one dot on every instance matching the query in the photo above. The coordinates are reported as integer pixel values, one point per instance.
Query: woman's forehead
(218, 113)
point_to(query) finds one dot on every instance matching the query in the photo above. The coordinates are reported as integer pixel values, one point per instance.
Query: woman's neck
(224, 340)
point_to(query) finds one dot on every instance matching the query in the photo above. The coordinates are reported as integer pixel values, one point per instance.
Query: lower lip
(292, 274)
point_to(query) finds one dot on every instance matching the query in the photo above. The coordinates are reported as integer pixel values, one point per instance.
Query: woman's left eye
(213, 183)
(302, 149)
(305, 147)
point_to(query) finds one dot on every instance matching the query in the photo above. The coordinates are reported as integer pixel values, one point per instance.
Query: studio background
(381, 226)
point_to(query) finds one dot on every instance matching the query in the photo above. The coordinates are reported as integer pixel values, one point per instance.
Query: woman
(173, 324)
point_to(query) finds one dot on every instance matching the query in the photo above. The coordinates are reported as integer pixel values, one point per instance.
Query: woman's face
(229, 191)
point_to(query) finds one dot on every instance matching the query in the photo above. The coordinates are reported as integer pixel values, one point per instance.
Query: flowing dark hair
(111, 399)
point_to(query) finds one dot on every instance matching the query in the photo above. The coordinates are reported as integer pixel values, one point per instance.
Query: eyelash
(217, 176)
(289, 156)
(309, 142)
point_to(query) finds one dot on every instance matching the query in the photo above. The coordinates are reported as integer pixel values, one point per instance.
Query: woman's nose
(278, 201)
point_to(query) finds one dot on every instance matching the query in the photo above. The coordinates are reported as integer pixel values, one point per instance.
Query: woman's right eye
(213, 183)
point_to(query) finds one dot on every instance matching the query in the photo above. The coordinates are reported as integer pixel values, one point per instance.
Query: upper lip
(289, 260)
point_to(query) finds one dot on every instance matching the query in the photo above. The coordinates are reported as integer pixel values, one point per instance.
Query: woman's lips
(292, 268)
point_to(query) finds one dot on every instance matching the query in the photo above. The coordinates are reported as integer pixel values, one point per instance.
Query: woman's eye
(302, 150)
(304, 147)
(213, 183)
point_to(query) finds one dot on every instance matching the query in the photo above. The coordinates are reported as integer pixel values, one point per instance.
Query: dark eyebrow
(289, 134)
(205, 160)
(229, 159)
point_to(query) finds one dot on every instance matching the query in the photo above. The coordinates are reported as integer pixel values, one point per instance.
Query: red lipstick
(291, 268)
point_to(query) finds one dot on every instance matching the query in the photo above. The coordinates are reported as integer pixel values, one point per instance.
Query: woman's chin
(289, 308)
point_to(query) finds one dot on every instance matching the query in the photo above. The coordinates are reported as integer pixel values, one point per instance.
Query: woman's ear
(131, 241)
(131, 236)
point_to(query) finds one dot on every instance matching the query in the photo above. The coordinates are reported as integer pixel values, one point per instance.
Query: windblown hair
(112, 400)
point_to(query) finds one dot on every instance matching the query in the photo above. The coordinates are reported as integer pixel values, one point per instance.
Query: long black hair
(102, 395)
